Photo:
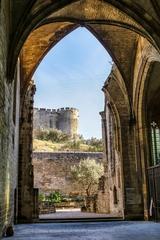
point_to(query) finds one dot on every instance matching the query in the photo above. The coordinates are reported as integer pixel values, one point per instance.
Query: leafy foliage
(58, 197)
(95, 144)
(42, 197)
(53, 135)
(73, 145)
(55, 197)
(87, 174)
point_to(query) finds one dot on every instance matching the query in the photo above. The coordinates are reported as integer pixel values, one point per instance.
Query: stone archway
(118, 34)
(133, 23)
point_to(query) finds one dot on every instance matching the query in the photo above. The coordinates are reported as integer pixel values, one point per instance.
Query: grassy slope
(48, 146)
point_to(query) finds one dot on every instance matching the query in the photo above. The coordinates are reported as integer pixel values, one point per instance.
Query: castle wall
(52, 170)
(64, 119)
(53, 118)
(41, 118)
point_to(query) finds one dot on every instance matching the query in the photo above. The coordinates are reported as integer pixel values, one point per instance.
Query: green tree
(87, 175)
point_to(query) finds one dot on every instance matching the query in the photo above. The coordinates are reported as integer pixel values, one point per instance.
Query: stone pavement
(74, 213)
(88, 231)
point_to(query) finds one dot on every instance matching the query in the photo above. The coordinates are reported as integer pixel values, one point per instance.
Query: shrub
(73, 145)
(55, 197)
(53, 135)
(42, 197)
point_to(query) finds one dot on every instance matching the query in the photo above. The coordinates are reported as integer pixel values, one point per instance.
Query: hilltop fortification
(64, 119)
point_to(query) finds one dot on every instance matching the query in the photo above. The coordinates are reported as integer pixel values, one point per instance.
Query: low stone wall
(67, 155)
(48, 208)
(52, 170)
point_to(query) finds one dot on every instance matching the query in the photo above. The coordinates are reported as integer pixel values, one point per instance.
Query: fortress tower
(68, 120)
(64, 119)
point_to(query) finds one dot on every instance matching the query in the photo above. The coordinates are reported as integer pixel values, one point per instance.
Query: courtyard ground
(73, 213)
(120, 230)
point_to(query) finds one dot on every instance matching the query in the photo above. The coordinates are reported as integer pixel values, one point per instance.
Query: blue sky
(72, 75)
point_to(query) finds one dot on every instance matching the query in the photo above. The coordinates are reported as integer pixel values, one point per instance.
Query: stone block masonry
(64, 119)
(52, 170)
(8, 126)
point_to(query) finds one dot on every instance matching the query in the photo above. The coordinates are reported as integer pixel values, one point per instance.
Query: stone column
(27, 195)
(133, 204)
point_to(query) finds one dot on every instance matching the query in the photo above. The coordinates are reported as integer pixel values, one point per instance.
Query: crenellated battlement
(67, 109)
(57, 110)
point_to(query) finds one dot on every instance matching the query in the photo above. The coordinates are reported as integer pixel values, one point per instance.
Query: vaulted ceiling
(116, 24)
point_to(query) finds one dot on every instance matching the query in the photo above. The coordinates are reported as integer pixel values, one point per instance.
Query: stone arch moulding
(143, 88)
(150, 57)
(35, 17)
(141, 139)
(63, 30)
(59, 35)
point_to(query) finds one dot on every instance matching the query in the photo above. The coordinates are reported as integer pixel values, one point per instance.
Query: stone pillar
(27, 195)
(143, 153)
(133, 205)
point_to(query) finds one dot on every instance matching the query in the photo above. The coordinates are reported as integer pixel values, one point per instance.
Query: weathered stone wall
(52, 170)
(110, 197)
(133, 155)
(9, 98)
(64, 119)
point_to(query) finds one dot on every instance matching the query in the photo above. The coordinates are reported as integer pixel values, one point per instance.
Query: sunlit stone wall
(52, 170)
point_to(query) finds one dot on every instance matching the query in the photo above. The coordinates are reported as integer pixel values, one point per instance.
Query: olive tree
(86, 174)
